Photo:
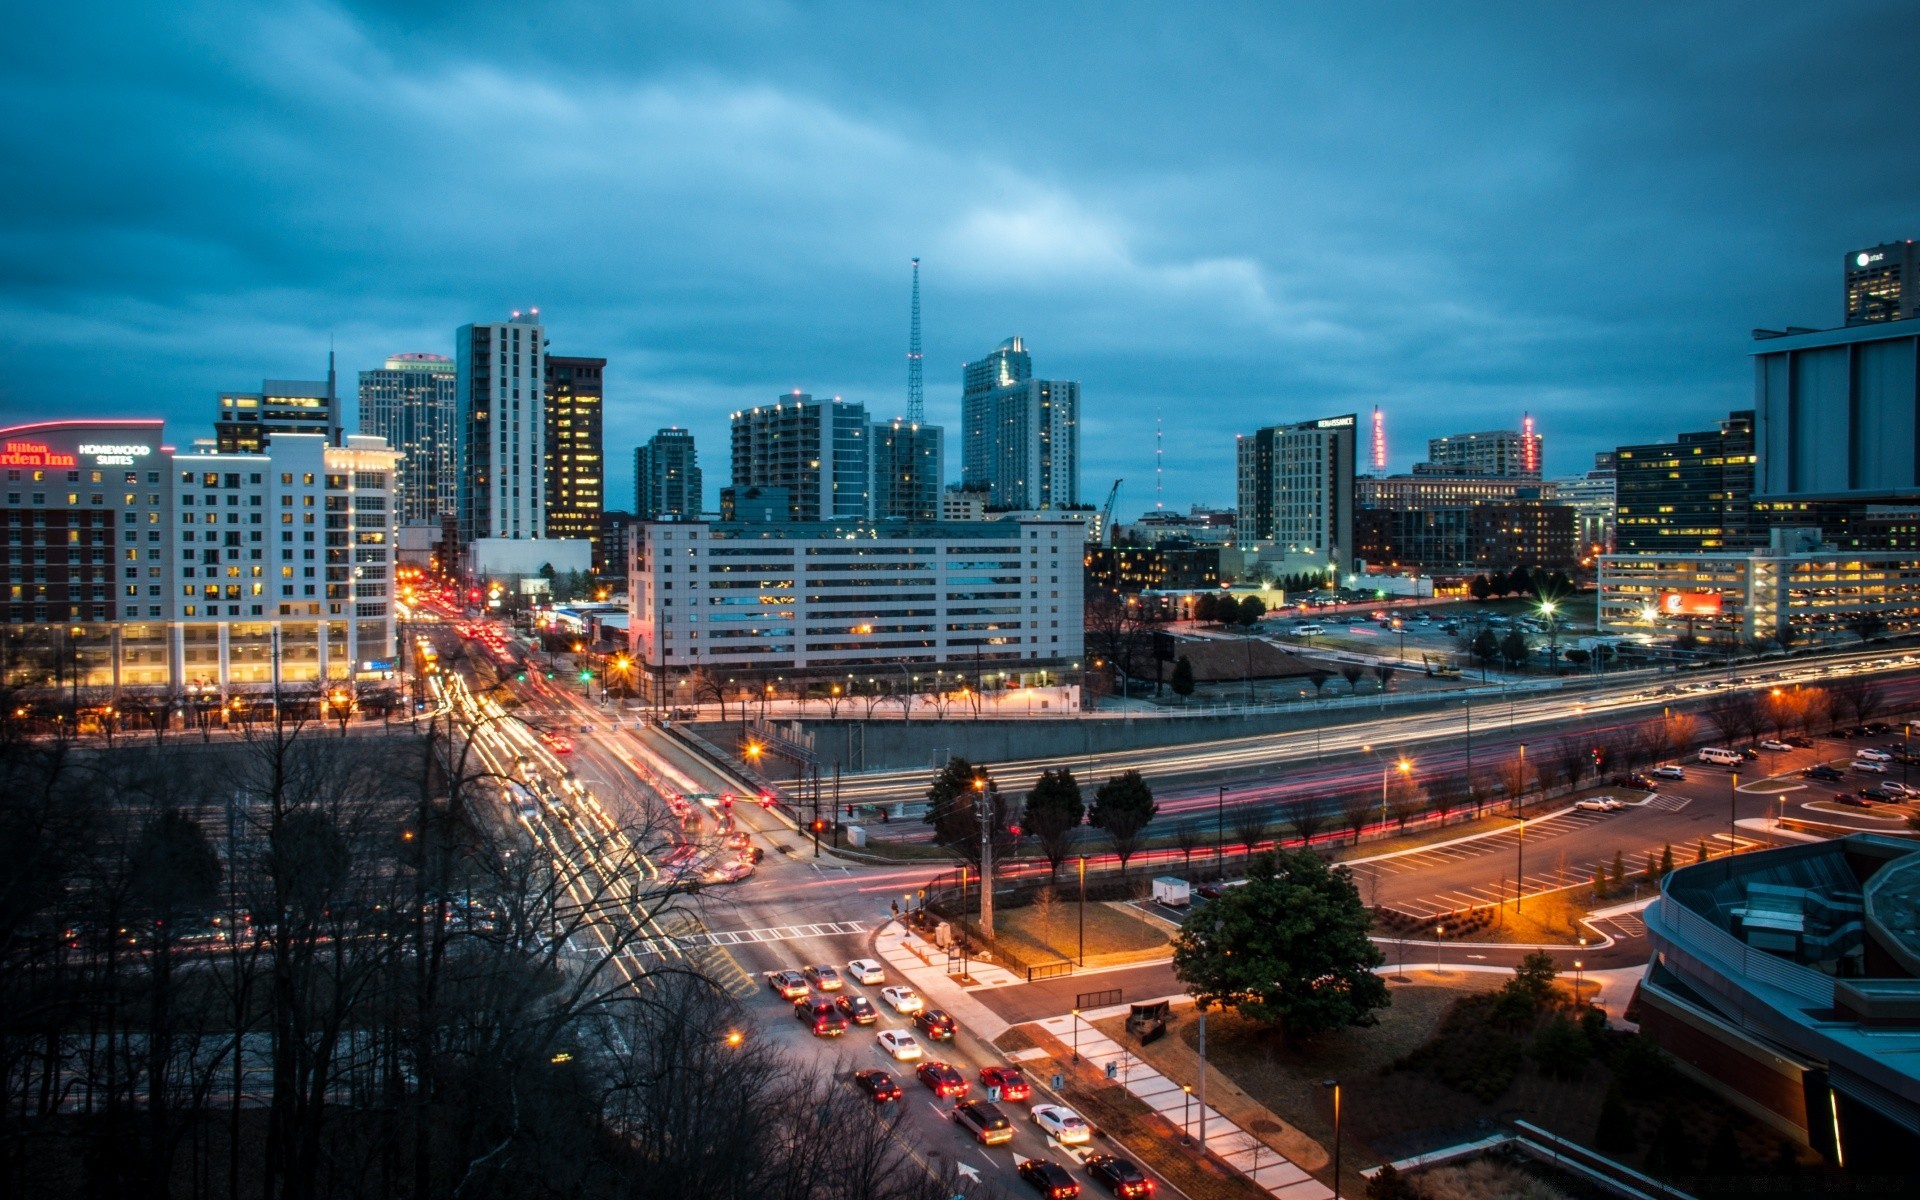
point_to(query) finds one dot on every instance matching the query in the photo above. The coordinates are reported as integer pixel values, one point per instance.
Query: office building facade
(1593, 501)
(179, 576)
(1296, 489)
(410, 403)
(1020, 435)
(1462, 540)
(1417, 492)
(907, 464)
(248, 420)
(841, 598)
(1837, 413)
(1883, 283)
(818, 450)
(501, 393)
(1693, 494)
(575, 459)
(1497, 453)
(667, 481)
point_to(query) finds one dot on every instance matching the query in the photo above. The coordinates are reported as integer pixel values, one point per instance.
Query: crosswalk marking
(735, 937)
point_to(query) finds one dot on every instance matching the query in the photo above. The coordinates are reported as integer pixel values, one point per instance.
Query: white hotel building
(832, 598)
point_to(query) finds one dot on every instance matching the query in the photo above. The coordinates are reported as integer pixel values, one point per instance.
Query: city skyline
(1501, 231)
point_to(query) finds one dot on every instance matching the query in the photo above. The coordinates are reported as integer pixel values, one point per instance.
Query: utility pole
(984, 801)
(1220, 835)
(1203, 1080)
(1083, 911)
(1733, 795)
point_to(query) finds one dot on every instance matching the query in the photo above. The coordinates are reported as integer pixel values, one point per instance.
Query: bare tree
(1307, 818)
(1251, 825)
(1187, 837)
(1356, 810)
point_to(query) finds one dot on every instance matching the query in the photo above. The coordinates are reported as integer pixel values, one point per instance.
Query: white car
(899, 1043)
(866, 970)
(1869, 766)
(1599, 804)
(903, 999)
(1898, 789)
(1062, 1124)
(1872, 755)
(1670, 772)
(1773, 745)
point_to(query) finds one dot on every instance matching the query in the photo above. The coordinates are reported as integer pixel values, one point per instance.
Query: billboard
(1690, 604)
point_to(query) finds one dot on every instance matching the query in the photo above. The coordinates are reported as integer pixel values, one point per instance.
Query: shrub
(1641, 1069)
(1617, 1131)
(1469, 1052)
(1561, 1049)
(1390, 1184)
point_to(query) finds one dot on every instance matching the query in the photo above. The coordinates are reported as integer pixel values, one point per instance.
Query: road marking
(735, 937)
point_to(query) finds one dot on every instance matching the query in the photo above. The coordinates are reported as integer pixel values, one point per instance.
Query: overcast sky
(1214, 216)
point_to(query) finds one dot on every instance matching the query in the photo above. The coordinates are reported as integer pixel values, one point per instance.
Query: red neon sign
(34, 454)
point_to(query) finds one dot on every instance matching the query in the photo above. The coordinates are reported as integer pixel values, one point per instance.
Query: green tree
(1251, 609)
(1486, 647)
(1535, 975)
(1514, 648)
(953, 808)
(1666, 860)
(1206, 608)
(1122, 807)
(1290, 949)
(1481, 588)
(1561, 1049)
(1054, 811)
(1619, 870)
(1182, 681)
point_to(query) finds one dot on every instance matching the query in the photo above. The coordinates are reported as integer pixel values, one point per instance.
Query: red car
(946, 1082)
(1012, 1084)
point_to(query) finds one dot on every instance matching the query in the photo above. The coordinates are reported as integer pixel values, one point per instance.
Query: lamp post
(1333, 1085)
(1083, 911)
(1579, 977)
(1076, 1035)
(1733, 795)
(1468, 705)
(984, 810)
(1186, 1118)
(1439, 961)
(1520, 843)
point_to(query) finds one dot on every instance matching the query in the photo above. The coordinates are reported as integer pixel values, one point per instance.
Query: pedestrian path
(928, 975)
(1233, 1145)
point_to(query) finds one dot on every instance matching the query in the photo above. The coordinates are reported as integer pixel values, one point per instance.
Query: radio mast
(916, 399)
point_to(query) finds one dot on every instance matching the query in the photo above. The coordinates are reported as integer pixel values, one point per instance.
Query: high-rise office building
(1693, 494)
(817, 450)
(248, 420)
(1296, 489)
(576, 465)
(501, 393)
(907, 462)
(666, 478)
(410, 403)
(1502, 453)
(1020, 435)
(1883, 283)
(1836, 414)
(1591, 497)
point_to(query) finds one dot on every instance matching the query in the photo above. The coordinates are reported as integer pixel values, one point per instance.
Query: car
(822, 1017)
(945, 1080)
(937, 1025)
(791, 985)
(878, 1085)
(1750, 754)
(1899, 789)
(1050, 1179)
(1823, 772)
(867, 971)
(1670, 771)
(900, 1044)
(902, 999)
(1803, 743)
(1886, 793)
(1599, 804)
(1853, 798)
(857, 1009)
(1868, 752)
(1877, 727)
(1061, 1123)
(823, 977)
(987, 1123)
(1870, 766)
(1634, 779)
(1012, 1084)
(1119, 1176)
(1773, 744)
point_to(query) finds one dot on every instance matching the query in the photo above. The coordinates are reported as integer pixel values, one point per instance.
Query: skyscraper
(576, 465)
(1693, 494)
(1504, 453)
(501, 394)
(1296, 489)
(907, 462)
(1883, 283)
(666, 475)
(248, 420)
(817, 450)
(1021, 435)
(410, 402)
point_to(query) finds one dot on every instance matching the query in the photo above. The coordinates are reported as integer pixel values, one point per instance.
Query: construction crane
(1106, 513)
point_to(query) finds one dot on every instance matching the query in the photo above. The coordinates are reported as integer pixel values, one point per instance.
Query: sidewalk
(929, 976)
(1233, 1145)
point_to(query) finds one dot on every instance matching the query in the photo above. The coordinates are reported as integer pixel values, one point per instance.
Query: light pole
(1468, 705)
(1439, 931)
(1520, 843)
(984, 804)
(1579, 977)
(1083, 910)
(1076, 1035)
(1333, 1085)
(1733, 795)
(1220, 834)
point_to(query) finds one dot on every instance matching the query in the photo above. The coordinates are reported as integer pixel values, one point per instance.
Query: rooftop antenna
(916, 399)
(1159, 461)
(1379, 439)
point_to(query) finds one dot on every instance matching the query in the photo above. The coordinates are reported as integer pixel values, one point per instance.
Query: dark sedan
(878, 1085)
(1049, 1179)
(1119, 1176)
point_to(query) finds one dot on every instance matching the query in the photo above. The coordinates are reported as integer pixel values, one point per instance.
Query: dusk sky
(1219, 216)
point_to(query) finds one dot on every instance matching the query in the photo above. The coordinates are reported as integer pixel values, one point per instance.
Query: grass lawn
(1038, 933)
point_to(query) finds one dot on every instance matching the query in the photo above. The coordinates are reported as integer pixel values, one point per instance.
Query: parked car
(1886, 793)
(900, 1044)
(791, 985)
(1119, 1176)
(1853, 798)
(867, 971)
(1634, 779)
(1670, 771)
(1050, 1179)
(1822, 771)
(1599, 804)
(1062, 1124)
(857, 1009)
(1772, 744)
(987, 1124)
(1868, 752)
(878, 1085)
(1012, 1084)
(903, 999)
(942, 1078)
(1804, 743)
(1869, 766)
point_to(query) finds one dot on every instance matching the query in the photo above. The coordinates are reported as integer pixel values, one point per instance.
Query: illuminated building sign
(114, 456)
(1334, 423)
(34, 454)
(1690, 604)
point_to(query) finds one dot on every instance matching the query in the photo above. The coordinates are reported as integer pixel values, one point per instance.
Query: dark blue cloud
(1216, 216)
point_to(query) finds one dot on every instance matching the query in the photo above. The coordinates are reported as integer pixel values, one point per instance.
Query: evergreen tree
(1182, 681)
(1122, 807)
(1054, 811)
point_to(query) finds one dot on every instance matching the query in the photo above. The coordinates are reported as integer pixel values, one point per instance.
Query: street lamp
(1076, 1035)
(1333, 1085)
(1439, 931)
(1186, 1119)
(1579, 977)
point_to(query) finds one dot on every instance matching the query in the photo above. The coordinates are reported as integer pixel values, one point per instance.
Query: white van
(1722, 757)
(1307, 630)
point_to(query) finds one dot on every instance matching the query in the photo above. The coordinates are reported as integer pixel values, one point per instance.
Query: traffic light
(520, 677)
(819, 825)
(585, 675)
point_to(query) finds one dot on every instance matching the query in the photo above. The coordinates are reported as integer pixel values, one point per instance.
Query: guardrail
(1052, 970)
